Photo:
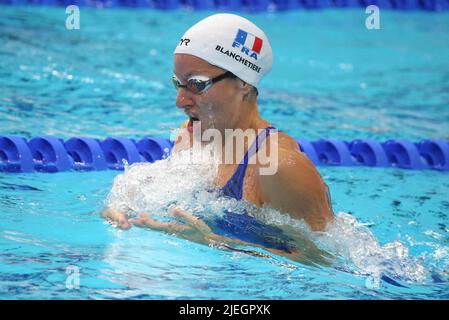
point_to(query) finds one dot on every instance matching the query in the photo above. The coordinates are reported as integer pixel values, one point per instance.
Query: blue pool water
(331, 78)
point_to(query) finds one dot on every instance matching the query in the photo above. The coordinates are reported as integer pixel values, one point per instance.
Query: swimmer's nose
(183, 100)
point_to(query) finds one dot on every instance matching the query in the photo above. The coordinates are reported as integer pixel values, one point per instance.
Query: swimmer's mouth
(190, 124)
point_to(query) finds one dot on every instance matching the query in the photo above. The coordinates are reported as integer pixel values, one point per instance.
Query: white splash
(357, 245)
(154, 188)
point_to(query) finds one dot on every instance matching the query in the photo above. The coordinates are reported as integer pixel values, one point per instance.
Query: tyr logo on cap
(249, 43)
(184, 42)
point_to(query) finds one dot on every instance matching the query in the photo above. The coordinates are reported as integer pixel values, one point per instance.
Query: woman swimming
(217, 67)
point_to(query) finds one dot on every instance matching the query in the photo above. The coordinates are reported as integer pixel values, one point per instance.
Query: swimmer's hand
(116, 218)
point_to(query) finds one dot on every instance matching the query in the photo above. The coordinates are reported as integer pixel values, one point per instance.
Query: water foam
(182, 180)
(362, 253)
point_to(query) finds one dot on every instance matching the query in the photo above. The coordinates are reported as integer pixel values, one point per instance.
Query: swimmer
(218, 64)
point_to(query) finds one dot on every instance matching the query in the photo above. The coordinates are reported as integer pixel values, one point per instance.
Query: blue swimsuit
(241, 225)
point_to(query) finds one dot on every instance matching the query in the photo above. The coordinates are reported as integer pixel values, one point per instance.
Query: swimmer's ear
(246, 89)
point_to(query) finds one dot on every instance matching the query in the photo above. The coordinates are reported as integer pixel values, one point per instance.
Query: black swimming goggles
(197, 85)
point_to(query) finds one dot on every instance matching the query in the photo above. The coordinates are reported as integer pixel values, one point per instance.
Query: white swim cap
(230, 42)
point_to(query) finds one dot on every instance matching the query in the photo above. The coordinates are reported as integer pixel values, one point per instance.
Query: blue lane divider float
(245, 5)
(153, 149)
(51, 154)
(86, 153)
(369, 153)
(333, 152)
(117, 149)
(404, 154)
(435, 153)
(15, 155)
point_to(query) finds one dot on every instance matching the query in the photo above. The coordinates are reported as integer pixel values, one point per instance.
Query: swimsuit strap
(234, 187)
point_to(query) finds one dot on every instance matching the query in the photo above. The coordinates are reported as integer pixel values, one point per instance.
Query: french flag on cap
(249, 40)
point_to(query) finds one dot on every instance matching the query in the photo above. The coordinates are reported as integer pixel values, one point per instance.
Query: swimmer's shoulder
(287, 142)
(296, 186)
(288, 148)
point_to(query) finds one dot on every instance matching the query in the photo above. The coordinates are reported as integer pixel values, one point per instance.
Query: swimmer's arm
(298, 189)
(194, 229)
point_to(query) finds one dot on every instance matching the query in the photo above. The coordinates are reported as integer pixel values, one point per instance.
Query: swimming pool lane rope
(52, 154)
(245, 5)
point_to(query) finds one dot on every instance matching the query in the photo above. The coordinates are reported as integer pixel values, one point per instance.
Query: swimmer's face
(217, 107)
